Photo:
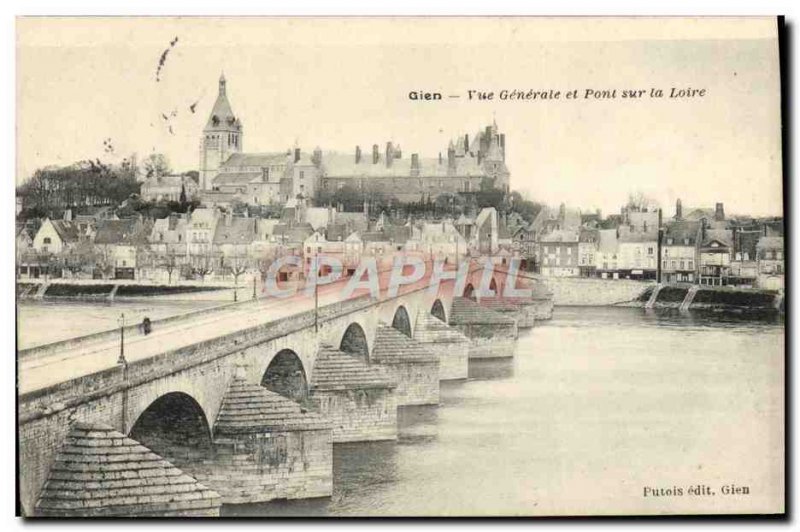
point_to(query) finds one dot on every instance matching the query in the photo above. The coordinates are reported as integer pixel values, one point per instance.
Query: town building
(607, 254)
(679, 251)
(588, 240)
(638, 244)
(771, 268)
(55, 236)
(122, 245)
(559, 253)
(715, 256)
(169, 188)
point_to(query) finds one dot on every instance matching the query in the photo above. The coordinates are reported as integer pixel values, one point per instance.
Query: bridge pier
(358, 398)
(415, 368)
(449, 345)
(521, 310)
(99, 472)
(491, 334)
(266, 447)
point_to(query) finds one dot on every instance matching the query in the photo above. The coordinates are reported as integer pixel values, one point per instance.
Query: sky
(337, 83)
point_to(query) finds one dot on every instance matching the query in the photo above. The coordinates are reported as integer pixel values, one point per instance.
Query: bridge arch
(286, 376)
(172, 422)
(401, 321)
(469, 291)
(437, 310)
(354, 341)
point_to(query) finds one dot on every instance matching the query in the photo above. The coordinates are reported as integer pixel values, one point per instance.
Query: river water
(596, 405)
(46, 321)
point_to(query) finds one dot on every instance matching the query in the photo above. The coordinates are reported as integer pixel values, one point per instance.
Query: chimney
(678, 210)
(703, 230)
(68, 215)
(414, 165)
(316, 157)
(358, 154)
(375, 155)
(466, 144)
(296, 154)
(440, 158)
(719, 213)
(228, 219)
(389, 154)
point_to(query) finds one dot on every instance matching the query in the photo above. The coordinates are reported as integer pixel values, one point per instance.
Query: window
(47, 240)
(691, 265)
(302, 174)
(650, 250)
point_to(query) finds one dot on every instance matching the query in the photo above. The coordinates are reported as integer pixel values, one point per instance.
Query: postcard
(400, 267)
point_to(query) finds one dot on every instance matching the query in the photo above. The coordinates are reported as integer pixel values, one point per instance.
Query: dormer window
(215, 120)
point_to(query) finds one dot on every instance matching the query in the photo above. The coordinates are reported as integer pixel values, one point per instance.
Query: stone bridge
(251, 411)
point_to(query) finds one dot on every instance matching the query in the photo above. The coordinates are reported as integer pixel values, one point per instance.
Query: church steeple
(222, 136)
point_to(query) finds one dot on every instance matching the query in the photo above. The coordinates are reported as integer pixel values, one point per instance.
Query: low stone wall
(358, 414)
(417, 382)
(584, 292)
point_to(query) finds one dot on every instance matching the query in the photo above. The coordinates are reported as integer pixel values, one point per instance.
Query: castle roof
(260, 160)
(343, 165)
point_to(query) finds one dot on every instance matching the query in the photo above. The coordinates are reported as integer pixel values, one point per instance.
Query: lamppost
(124, 364)
(121, 359)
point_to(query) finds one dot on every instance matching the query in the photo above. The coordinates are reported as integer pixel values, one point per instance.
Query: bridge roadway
(82, 360)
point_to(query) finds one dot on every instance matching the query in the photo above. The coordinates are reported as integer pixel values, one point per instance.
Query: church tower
(222, 136)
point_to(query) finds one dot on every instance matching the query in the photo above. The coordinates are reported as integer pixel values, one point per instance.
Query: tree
(49, 191)
(638, 201)
(83, 256)
(156, 165)
(202, 266)
(349, 197)
(169, 264)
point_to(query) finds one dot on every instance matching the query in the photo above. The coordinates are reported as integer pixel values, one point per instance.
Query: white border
(11, 9)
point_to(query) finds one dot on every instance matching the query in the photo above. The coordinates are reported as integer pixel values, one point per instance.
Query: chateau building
(228, 174)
